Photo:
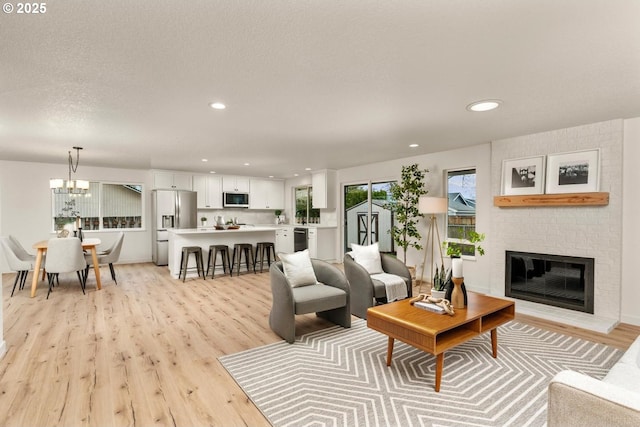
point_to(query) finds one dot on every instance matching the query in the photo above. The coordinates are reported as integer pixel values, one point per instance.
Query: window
(305, 213)
(461, 213)
(104, 206)
(367, 217)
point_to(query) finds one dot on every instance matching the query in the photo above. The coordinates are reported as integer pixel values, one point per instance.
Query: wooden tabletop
(427, 322)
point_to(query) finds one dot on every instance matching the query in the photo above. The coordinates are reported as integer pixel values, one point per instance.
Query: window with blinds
(104, 206)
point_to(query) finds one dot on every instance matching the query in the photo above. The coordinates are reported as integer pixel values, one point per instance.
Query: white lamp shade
(432, 205)
(56, 183)
(82, 184)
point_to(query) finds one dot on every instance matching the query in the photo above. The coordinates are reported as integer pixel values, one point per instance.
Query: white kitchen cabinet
(321, 243)
(209, 190)
(284, 240)
(235, 184)
(266, 194)
(324, 189)
(171, 180)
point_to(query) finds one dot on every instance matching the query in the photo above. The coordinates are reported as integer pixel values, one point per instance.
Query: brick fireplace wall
(594, 232)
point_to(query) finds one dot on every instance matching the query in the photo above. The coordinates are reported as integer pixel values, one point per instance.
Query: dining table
(41, 247)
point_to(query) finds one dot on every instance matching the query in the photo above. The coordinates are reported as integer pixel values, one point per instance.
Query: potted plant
(440, 281)
(404, 204)
(278, 212)
(204, 221)
(454, 250)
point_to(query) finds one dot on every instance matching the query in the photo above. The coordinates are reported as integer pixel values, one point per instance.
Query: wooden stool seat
(238, 249)
(184, 261)
(262, 248)
(213, 255)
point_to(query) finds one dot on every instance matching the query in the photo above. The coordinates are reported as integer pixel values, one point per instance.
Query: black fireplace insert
(561, 281)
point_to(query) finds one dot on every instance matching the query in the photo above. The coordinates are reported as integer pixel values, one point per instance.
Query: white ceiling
(318, 84)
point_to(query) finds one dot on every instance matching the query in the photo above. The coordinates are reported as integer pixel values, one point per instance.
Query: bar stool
(238, 249)
(261, 248)
(184, 261)
(213, 255)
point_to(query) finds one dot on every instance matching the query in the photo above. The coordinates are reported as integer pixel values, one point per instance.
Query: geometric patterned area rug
(339, 377)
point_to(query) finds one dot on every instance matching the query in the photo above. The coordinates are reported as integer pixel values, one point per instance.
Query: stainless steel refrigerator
(171, 209)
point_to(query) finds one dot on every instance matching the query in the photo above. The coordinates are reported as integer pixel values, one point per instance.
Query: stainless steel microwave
(235, 200)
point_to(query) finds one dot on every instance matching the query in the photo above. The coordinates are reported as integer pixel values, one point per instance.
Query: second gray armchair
(367, 292)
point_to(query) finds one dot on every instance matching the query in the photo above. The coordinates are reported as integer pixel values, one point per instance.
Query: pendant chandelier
(70, 186)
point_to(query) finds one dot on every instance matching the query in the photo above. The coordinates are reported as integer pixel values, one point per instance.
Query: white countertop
(212, 230)
(305, 226)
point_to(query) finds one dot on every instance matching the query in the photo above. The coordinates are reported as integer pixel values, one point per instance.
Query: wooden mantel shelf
(568, 199)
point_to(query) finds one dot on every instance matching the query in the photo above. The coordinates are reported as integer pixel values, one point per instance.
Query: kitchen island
(204, 237)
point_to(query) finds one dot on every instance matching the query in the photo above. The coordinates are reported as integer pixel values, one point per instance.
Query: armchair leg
(340, 316)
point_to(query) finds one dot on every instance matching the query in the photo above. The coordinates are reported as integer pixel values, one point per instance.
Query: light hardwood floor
(145, 352)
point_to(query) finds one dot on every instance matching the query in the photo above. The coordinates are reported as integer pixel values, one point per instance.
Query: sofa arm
(581, 401)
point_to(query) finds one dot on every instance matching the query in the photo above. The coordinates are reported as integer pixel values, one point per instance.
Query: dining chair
(20, 251)
(65, 256)
(21, 267)
(108, 256)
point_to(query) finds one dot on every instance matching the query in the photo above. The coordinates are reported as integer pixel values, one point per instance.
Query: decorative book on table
(424, 305)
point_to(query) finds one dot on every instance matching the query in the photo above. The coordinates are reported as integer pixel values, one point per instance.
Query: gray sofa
(329, 299)
(367, 292)
(582, 401)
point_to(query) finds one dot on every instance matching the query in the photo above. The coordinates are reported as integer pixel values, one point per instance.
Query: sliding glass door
(366, 217)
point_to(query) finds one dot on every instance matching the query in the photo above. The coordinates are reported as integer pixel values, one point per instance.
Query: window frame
(453, 240)
(310, 207)
(101, 209)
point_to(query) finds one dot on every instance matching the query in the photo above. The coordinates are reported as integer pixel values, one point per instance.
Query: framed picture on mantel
(523, 176)
(573, 172)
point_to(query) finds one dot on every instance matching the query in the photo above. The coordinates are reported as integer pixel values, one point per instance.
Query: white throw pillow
(368, 257)
(298, 268)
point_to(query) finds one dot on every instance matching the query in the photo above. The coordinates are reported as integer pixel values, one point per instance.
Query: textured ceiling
(318, 84)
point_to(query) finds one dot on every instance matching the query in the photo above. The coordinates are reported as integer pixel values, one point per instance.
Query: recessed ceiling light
(217, 106)
(246, 164)
(295, 174)
(484, 105)
(205, 160)
(307, 169)
(414, 145)
(212, 171)
(270, 176)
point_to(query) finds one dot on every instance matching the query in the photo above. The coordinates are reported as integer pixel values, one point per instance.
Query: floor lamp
(432, 206)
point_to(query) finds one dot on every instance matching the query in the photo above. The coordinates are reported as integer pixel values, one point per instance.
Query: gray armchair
(367, 292)
(329, 299)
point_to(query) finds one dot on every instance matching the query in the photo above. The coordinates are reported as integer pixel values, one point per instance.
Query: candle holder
(457, 294)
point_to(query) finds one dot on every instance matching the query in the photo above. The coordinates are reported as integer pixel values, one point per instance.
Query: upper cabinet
(235, 184)
(171, 180)
(266, 194)
(324, 188)
(209, 190)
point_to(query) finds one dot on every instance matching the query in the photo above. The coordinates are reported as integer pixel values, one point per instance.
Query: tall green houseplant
(404, 204)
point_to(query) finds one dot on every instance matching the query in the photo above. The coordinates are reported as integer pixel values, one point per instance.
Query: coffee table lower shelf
(435, 333)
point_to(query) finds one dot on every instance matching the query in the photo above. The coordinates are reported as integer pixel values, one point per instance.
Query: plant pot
(437, 294)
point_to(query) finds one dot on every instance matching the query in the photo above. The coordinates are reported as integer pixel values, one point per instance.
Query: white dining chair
(108, 256)
(65, 256)
(21, 267)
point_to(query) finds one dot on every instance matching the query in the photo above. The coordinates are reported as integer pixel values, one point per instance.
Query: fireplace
(561, 281)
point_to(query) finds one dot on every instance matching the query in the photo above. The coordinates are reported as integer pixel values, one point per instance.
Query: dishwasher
(300, 239)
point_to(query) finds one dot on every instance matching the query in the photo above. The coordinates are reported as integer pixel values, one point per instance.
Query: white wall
(585, 231)
(25, 203)
(630, 311)
(477, 271)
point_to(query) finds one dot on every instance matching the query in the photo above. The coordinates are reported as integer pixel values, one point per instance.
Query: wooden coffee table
(436, 333)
